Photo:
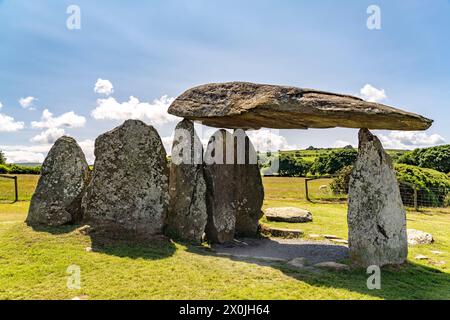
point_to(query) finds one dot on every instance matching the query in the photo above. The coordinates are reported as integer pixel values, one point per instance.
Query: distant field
(311, 155)
(275, 188)
(26, 185)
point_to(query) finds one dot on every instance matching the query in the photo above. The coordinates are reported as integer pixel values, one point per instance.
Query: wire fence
(9, 191)
(319, 189)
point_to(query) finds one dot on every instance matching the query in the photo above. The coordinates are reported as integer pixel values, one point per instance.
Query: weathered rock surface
(376, 217)
(419, 237)
(280, 232)
(235, 192)
(249, 190)
(129, 188)
(220, 197)
(65, 175)
(187, 214)
(288, 214)
(249, 105)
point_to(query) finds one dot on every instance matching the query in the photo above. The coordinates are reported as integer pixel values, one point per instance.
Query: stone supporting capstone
(376, 216)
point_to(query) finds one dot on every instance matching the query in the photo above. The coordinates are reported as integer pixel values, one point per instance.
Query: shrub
(334, 161)
(447, 200)
(16, 169)
(290, 166)
(4, 169)
(339, 185)
(433, 186)
(437, 158)
(2, 158)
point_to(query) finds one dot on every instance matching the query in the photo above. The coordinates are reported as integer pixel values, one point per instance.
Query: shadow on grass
(117, 242)
(54, 230)
(409, 281)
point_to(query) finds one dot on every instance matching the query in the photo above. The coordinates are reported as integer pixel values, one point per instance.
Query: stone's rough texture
(288, 214)
(220, 185)
(419, 237)
(250, 105)
(376, 217)
(249, 190)
(187, 187)
(280, 232)
(65, 175)
(129, 187)
(235, 192)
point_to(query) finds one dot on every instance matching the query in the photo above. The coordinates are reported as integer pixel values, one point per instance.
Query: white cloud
(372, 94)
(27, 103)
(167, 142)
(410, 140)
(269, 140)
(68, 119)
(48, 136)
(88, 147)
(103, 87)
(8, 124)
(155, 112)
(1, 105)
(341, 144)
(37, 153)
(20, 153)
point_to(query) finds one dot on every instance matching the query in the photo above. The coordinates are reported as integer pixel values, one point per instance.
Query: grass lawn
(33, 264)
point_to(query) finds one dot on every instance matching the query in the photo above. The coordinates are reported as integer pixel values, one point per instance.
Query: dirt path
(286, 249)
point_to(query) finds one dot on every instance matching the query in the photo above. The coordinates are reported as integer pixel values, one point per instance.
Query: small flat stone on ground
(419, 237)
(331, 265)
(288, 214)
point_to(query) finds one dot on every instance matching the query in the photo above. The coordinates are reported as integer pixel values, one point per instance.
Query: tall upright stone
(129, 188)
(235, 192)
(187, 214)
(376, 216)
(64, 177)
(220, 195)
(249, 190)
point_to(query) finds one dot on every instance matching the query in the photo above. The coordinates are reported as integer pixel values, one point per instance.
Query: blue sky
(151, 49)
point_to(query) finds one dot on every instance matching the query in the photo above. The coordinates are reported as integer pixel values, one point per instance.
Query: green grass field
(33, 263)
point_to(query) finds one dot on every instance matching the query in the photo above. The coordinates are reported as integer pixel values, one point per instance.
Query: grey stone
(250, 105)
(280, 232)
(220, 197)
(64, 177)
(235, 192)
(376, 216)
(288, 214)
(129, 189)
(187, 187)
(419, 237)
(249, 190)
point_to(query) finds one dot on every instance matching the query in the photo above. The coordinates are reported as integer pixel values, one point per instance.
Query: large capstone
(187, 187)
(234, 187)
(251, 105)
(376, 216)
(65, 175)
(129, 187)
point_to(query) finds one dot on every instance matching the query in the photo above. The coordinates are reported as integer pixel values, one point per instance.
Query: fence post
(16, 189)
(416, 204)
(306, 189)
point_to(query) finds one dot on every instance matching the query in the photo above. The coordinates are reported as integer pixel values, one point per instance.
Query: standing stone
(187, 187)
(65, 175)
(249, 190)
(235, 192)
(376, 217)
(129, 188)
(220, 196)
